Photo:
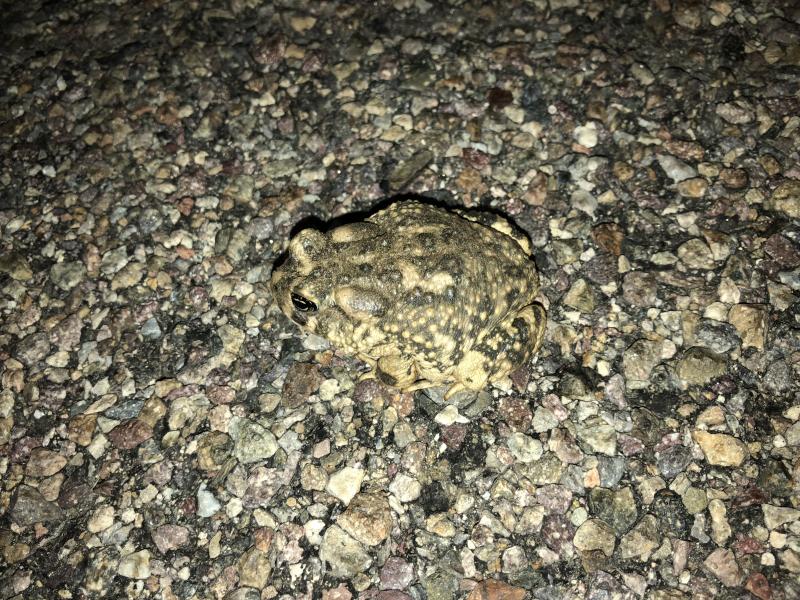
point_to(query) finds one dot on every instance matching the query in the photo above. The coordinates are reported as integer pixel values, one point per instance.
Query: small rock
(396, 574)
(695, 500)
(344, 554)
(405, 488)
(151, 330)
(676, 169)
(524, 448)
(101, 519)
(207, 504)
(615, 507)
(368, 519)
(640, 358)
(586, 135)
(405, 172)
(67, 275)
(673, 460)
(302, 380)
(580, 297)
(696, 254)
(722, 564)
(685, 149)
(254, 568)
(44, 463)
(514, 560)
(720, 449)
(737, 112)
(252, 441)
(639, 289)
(734, 179)
(15, 266)
(135, 565)
(699, 365)
(33, 348)
(598, 435)
(594, 534)
(544, 420)
(786, 199)
(696, 187)
(492, 589)
(31, 507)
(130, 434)
(720, 528)
(640, 542)
(758, 585)
(750, 320)
(449, 415)
(775, 516)
(170, 537)
(344, 484)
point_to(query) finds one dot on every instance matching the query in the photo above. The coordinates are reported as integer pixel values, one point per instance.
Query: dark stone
(671, 515)
(434, 499)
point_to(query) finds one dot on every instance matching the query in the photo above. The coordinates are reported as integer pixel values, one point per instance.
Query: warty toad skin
(426, 296)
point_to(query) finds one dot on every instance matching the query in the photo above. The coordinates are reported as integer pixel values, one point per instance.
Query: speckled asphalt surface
(165, 432)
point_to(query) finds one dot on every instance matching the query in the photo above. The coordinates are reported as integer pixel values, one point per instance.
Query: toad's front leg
(396, 370)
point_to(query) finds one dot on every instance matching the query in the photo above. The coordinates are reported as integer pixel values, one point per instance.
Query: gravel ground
(165, 432)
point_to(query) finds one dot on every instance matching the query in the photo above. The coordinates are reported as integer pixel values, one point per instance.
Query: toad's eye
(303, 304)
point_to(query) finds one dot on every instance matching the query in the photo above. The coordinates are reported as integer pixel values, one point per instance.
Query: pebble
(345, 483)
(598, 435)
(698, 366)
(776, 516)
(750, 322)
(396, 574)
(44, 463)
(345, 556)
(102, 518)
(595, 534)
(252, 442)
(722, 564)
(368, 519)
(170, 537)
(493, 589)
(675, 169)
(786, 199)
(135, 565)
(586, 135)
(615, 507)
(639, 543)
(524, 448)
(720, 449)
(30, 507)
(405, 488)
(696, 254)
(207, 504)
(254, 568)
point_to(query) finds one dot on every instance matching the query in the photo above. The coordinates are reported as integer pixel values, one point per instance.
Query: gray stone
(599, 435)
(252, 442)
(640, 542)
(67, 275)
(31, 507)
(594, 534)
(615, 507)
(345, 556)
(699, 365)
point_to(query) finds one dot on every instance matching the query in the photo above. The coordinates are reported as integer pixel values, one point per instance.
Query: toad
(424, 295)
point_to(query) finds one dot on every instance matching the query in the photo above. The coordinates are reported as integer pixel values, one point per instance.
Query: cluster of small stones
(166, 433)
